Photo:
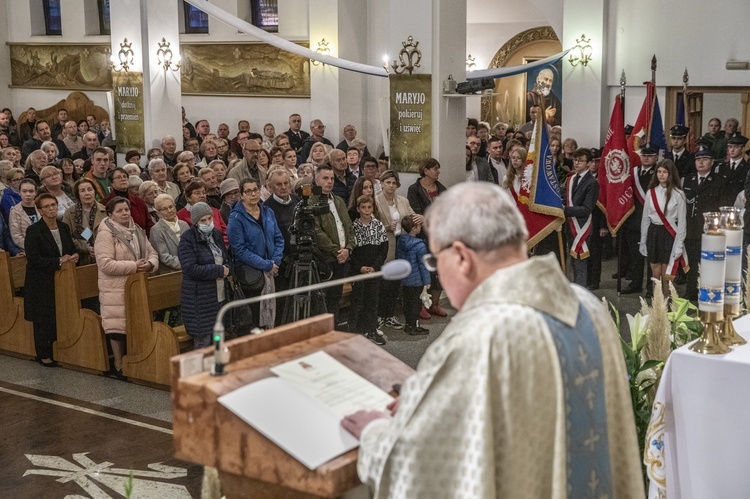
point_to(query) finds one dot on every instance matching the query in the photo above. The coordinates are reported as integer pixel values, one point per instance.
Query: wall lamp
(166, 58)
(323, 49)
(124, 59)
(581, 52)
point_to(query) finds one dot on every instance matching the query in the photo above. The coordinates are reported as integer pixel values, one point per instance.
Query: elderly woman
(257, 242)
(188, 158)
(204, 268)
(49, 245)
(208, 153)
(23, 214)
(34, 164)
(306, 170)
(12, 193)
(220, 169)
(391, 209)
(84, 218)
(52, 183)
(148, 191)
(421, 195)
(277, 156)
(281, 141)
(49, 148)
(165, 235)
(157, 170)
(318, 154)
(194, 193)
(121, 249)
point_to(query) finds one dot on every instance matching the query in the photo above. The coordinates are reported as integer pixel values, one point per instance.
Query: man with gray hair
(317, 132)
(525, 393)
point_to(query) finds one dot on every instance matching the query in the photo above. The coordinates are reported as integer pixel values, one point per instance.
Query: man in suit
(296, 135)
(734, 170)
(317, 132)
(582, 191)
(480, 169)
(632, 227)
(703, 193)
(682, 158)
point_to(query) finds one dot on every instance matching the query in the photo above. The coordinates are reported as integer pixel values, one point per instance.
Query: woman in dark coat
(203, 258)
(49, 243)
(421, 194)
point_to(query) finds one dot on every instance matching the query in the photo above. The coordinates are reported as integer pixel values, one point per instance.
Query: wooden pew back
(151, 343)
(16, 333)
(81, 342)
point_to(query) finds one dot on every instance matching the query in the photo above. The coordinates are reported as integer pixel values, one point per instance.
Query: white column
(584, 99)
(144, 23)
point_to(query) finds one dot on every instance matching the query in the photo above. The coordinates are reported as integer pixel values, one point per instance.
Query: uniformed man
(703, 193)
(734, 170)
(682, 158)
(632, 227)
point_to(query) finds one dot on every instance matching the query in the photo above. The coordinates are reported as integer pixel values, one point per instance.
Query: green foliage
(129, 486)
(685, 328)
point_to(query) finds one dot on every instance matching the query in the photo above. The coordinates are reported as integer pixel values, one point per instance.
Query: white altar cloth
(698, 445)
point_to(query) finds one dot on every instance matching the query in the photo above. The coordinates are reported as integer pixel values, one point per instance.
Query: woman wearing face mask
(84, 218)
(121, 249)
(204, 268)
(257, 242)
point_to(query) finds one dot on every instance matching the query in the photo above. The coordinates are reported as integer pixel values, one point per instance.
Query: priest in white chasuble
(524, 395)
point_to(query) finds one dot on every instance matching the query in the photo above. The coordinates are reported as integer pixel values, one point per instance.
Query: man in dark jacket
(582, 191)
(333, 236)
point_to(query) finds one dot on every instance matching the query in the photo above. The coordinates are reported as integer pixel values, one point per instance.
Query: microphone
(394, 270)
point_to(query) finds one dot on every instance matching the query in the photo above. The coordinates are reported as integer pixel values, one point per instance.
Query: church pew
(16, 333)
(151, 344)
(80, 338)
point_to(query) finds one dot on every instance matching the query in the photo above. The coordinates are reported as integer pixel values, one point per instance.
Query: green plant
(684, 321)
(129, 486)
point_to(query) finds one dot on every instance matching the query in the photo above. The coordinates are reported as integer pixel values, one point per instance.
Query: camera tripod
(303, 305)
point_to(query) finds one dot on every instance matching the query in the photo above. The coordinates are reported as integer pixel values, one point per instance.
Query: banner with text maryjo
(129, 116)
(411, 121)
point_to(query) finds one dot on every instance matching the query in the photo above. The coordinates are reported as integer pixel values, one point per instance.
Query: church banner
(129, 117)
(411, 121)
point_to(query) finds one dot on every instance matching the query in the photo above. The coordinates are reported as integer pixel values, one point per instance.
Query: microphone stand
(218, 336)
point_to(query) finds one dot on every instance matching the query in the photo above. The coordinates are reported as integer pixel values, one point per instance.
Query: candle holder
(710, 342)
(731, 223)
(728, 334)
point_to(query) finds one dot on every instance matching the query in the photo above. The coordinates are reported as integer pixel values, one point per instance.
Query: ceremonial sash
(579, 249)
(674, 263)
(639, 193)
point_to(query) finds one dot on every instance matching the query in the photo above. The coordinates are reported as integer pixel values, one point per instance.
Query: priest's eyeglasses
(430, 260)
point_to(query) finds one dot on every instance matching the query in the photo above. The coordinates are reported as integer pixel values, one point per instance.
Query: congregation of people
(221, 204)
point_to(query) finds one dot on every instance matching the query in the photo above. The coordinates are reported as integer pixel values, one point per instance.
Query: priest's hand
(355, 423)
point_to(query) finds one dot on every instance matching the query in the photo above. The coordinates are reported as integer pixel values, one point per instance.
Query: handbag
(251, 279)
(237, 320)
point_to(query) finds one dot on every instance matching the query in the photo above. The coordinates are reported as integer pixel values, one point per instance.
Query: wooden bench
(81, 342)
(16, 333)
(151, 344)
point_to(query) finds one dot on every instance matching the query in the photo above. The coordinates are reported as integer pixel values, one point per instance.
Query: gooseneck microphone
(394, 270)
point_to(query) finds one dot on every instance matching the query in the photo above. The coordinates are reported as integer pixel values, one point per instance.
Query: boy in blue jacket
(412, 249)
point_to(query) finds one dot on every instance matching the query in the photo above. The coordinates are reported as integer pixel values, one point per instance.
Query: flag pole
(686, 112)
(623, 81)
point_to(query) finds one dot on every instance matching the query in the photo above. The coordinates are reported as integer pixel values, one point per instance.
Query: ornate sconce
(408, 57)
(166, 58)
(471, 63)
(323, 49)
(581, 52)
(124, 59)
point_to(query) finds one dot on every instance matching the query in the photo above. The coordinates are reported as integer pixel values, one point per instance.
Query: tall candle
(731, 222)
(713, 260)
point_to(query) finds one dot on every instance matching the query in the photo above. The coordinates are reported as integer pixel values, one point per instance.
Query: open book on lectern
(301, 409)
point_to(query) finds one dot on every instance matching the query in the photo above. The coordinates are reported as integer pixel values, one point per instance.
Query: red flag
(616, 185)
(539, 198)
(642, 127)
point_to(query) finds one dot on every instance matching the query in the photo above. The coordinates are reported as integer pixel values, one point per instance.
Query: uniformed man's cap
(649, 150)
(596, 153)
(679, 131)
(702, 150)
(737, 140)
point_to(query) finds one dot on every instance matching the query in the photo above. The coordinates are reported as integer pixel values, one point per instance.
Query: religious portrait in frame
(544, 89)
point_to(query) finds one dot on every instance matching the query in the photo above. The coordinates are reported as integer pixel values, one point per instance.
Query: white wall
(721, 106)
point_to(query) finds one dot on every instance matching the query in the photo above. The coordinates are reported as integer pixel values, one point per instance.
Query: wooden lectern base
(249, 464)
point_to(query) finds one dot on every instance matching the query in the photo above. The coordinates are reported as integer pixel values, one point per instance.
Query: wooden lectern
(249, 464)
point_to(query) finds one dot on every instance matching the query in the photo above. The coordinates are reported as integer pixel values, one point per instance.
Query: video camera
(303, 227)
